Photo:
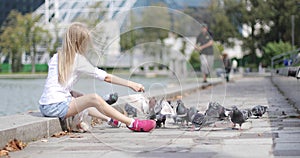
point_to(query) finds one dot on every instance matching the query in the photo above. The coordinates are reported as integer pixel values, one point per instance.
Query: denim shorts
(56, 109)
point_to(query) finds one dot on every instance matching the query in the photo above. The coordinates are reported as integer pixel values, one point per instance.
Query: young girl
(65, 67)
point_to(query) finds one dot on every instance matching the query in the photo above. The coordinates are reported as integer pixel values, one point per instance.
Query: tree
(222, 25)
(53, 49)
(281, 19)
(272, 49)
(94, 16)
(21, 34)
(12, 40)
(146, 28)
(128, 39)
(195, 61)
(259, 21)
(156, 28)
(34, 36)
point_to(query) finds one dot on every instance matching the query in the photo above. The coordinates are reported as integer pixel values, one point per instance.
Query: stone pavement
(273, 135)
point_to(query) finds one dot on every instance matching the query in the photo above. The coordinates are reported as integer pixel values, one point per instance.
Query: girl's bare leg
(93, 100)
(95, 113)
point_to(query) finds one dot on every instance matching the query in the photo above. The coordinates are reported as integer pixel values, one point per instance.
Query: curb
(27, 127)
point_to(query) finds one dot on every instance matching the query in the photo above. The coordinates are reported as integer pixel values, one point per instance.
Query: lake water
(22, 95)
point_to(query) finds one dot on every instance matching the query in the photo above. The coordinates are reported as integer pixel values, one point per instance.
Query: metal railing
(286, 64)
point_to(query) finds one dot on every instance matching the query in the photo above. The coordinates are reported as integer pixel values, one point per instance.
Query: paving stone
(287, 146)
(249, 150)
(249, 141)
(286, 153)
(287, 140)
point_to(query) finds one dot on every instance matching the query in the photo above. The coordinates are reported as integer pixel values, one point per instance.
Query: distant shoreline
(40, 75)
(23, 76)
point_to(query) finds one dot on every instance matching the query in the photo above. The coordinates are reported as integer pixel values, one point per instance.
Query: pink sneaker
(143, 125)
(114, 123)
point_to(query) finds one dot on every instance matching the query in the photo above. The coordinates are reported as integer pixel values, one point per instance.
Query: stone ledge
(27, 127)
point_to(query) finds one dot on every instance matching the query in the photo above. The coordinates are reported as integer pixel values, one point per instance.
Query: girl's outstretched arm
(120, 81)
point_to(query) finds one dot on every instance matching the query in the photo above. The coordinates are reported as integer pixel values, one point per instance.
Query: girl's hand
(117, 80)
(137, 87)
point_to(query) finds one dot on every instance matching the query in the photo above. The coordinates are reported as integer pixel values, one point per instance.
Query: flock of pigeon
(160, 110)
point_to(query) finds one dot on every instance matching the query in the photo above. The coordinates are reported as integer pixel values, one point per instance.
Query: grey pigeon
(152, 115)
(181, 112)
(131, 111)
(198, 120)
(111, 98)
(216, 112)
(258, 110)
(237, 117)
(158, 106)
(181, 109)
(246, 113)
(191, 112)
(152, 104)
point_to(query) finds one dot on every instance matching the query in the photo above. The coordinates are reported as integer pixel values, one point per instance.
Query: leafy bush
(272, 49)
(195, 60)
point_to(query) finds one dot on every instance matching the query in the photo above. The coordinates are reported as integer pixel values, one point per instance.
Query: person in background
(234, 66)
(227, 65)
(204, 45)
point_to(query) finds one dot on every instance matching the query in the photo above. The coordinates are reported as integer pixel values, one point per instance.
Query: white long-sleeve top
(54, 92)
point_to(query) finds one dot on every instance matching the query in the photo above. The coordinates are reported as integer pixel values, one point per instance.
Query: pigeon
(259, 110)
(191, 112)
(131, 111)
(160, 119)
(167, 108)
(174, 115)
(181, 109)
(163, 110)
(152, 104)
(246, 113)
(144, 105)
(158, 106)
(237, 117)
(159, 111)
(111, 98)
(151, 115)
(198, 120)
(181, 112)
(216, 112)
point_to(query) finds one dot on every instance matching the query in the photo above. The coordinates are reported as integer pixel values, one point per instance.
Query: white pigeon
(166, 108)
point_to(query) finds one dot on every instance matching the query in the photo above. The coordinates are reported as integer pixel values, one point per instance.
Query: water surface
(22, 95)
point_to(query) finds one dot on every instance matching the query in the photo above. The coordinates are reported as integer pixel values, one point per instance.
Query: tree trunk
(253, 47)
(33, 58)
(33, 63)
(16, 62)
(10, 62)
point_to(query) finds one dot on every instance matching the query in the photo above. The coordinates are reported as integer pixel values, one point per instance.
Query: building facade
(22, 6)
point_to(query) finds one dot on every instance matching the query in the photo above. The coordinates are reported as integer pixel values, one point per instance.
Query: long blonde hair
(76, 40)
